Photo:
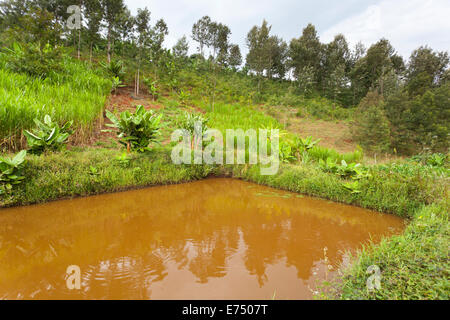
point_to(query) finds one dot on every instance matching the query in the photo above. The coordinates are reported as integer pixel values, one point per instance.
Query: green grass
(67, 174)
(77, 95)
(414, 265)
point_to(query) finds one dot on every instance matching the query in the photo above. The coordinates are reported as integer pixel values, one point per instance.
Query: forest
(90, 94)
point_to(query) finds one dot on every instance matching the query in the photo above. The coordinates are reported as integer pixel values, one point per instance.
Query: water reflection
(212, 239)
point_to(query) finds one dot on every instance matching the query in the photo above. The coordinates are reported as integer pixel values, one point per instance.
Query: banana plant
(195, 124)
(10, 171)
(286, 152)
(308, 143)
(136, 131)
(47, 135)
(152, 87)
(114, 68)
(116, 83)
(183, 96)
(353, 187)
(329, 165)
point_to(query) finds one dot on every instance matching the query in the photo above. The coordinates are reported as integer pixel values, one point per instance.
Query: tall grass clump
(77, 94)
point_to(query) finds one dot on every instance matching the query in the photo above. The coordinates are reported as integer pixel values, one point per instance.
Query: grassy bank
(79, 94)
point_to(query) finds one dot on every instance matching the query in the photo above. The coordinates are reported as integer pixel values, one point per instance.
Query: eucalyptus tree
(278, 50)
(305, 54)
(426, 69)
(259, 56)
(181, 48)
(235, 56)
(201, 33)
(94, 15)
(112, 10)
(381, 61)
(125, 28)
(143, 29)
(336, 66)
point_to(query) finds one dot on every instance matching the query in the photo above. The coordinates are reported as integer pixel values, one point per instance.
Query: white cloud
(406, 23)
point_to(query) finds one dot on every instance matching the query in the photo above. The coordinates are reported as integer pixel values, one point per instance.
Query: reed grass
(79, 94)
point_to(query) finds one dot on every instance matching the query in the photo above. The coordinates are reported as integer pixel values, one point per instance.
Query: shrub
(136, 131)
(10, 171)
(47, 136)
(152, 86)
(371, 127)
(33, 60)
(193, 123)
(114, 68)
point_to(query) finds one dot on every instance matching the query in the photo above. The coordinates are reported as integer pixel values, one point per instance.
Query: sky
(408, 24)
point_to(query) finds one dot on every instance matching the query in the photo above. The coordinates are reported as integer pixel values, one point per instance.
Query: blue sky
(406, 23)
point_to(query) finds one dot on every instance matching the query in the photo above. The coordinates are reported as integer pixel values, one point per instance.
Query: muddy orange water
(211, 239)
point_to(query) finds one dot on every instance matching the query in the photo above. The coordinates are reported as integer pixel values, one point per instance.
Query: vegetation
(136, 131)
(10, 172)
(394, 106)
(77, 94)
(48, 136)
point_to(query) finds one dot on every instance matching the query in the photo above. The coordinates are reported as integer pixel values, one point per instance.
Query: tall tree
(371, 71)
(305, 55)
(235, 56)
(125, 28)
(278, 51)
(112, 10)
(157, 36)
(259, 55)
(219, 35)
(201, 33)
(94, 15)
(336, 66)
(181, 48)
(426, 69)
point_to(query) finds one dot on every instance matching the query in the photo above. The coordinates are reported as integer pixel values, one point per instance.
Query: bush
(33, 60)
(10, 171)
(371, 127)
(138, 130)
(47, 136)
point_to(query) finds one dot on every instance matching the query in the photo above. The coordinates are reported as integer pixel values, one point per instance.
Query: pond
(212, 239)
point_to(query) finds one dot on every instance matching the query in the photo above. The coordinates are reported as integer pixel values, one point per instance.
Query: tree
(94, 15)
(157, 36)
(201, 33)
(419, 122)
(234, 57)
(371, 126)
(125, 27)
(305, 54)
(112, 10)
(336, 66)
(278, 50)
(259, 56)
(426, 69)
(181, 48)
(219, 34)
(380, 60)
